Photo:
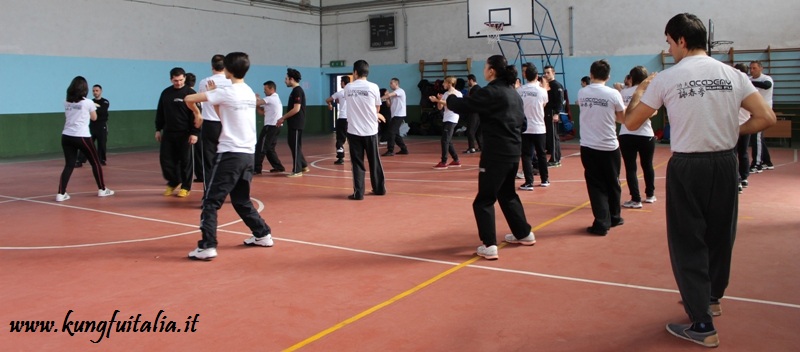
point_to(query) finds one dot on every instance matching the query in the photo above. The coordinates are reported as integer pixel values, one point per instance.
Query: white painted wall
(438, 29)
(168, 30)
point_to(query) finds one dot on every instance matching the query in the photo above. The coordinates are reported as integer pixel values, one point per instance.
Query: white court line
(522, 272)
(30, 199)
(261, 207)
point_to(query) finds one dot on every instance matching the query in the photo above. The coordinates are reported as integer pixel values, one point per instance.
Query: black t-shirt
(555, 97)
(298, 96)
(102, 110)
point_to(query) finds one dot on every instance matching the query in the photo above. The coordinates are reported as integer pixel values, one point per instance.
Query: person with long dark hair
(76, 137)
(502, 118)
(641, 141)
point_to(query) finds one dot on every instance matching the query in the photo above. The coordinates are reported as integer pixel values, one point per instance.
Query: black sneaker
(339, 161)
(597, 231)
(272, 171)
(617, 223)
(470, 151)
(526, 187)
(403, 152)
(684, 331)
(388, 154)
(745, 183)
(768, 167)
(353, 197)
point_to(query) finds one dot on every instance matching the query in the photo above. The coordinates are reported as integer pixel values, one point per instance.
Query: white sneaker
(489, 253)
(528, 240)
(104, 192)
(632, 204)
(203, 254)
(650, 199)
(520, 176)
(265, 241)
(62, 197)
(545, 184)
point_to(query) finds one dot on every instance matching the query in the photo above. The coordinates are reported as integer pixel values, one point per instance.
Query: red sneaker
(440, 166)
(454, 163)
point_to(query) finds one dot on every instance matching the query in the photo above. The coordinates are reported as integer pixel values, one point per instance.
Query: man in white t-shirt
(397, 104)
(764, 85)
(341, 119)
(601, 108)
(270, 106)
(209, 133)
(702, 96)
(363, 101)
(233, 166)
(449, 122)
(534, 135)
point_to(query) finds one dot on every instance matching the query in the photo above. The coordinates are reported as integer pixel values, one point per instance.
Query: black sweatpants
(474, 135)
(553, 143)
(267, 140)
(295, 140)
(741, 154)
(496, 184)
(702, 208)
(632, 145)
(231, 174)
(209, 141)
(447, 142)
(760, 150)
(601, 171)
(176, 159)
(341, 137)
(99, 132)
(533, 144)
(359, 145)
(393, 134)
(71, 146)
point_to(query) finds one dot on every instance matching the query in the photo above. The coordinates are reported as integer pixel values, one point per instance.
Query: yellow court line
(375, 308)
(400, 296)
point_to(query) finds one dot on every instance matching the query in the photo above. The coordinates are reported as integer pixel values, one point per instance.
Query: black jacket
(172, 114)
(499, 108)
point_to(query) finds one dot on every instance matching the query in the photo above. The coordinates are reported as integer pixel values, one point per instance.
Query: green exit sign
(337, 63)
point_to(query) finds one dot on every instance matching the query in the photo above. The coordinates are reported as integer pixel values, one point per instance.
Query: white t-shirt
(702, 96)
(363, 99)
(398, 103)
(534, 98)
(237, 109)
(272, 109)
(208, 111)
(765, 93)
(448, 115)
(599, 104)
(339, 96)
(646, 129)
(77, 118)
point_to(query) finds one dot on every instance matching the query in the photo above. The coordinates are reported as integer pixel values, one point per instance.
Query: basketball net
(493, 32)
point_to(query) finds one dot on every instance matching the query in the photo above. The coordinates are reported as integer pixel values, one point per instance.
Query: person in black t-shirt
(296, 113)
(176, 132)
(555, 104)
(98, 128)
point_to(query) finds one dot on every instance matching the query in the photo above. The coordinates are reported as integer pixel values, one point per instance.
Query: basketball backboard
(516, 15)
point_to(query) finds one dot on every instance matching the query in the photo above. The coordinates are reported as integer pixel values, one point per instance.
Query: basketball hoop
(493, 32)
(722, 46)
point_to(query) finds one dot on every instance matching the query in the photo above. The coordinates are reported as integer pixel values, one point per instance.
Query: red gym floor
(390, 273)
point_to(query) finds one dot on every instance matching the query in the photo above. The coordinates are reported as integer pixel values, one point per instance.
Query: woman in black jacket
(502, 118)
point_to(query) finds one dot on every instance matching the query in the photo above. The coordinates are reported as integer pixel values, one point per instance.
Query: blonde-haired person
(450, 120)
